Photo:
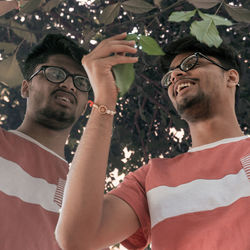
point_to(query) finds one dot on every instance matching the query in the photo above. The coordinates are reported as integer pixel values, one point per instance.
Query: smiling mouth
(63, 99)
(182, 86)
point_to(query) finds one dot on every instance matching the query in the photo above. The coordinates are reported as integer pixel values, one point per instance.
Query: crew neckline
(27, 137)
(217, 143)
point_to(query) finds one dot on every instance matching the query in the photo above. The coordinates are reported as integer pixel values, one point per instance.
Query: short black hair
(52, 44)
(225, 54)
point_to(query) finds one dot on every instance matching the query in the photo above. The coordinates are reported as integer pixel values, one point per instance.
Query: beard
(196, 108)
(55, 119)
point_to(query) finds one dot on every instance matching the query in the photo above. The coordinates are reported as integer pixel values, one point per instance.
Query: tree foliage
(146, 123)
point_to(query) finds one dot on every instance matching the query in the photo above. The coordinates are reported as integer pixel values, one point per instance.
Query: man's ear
(232, 78)
(25, 89)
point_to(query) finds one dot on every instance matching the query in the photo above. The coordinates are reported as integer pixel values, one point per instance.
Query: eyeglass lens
(58, 75)
(189, 63)
(186, 65)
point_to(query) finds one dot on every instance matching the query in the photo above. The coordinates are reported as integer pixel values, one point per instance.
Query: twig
(222, 2)
(147, 17)
(152, 122)
(138, 128)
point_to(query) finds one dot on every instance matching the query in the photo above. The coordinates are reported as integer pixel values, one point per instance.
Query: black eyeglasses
(58, 75)
(187, 64)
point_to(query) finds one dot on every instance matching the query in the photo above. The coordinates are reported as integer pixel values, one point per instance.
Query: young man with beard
(33, 168)
(197, 200)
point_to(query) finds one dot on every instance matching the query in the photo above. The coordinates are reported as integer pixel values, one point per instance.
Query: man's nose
(68, 84)
(176, 75)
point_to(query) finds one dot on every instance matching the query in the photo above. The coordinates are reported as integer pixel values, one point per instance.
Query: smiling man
(198, 200)
(33, 168)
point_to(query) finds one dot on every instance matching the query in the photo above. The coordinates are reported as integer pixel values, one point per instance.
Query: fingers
(117, 59)
(118, 48)
(115, 45)
(106, 48)
(99, 62)
(121, 36)
(106, 63)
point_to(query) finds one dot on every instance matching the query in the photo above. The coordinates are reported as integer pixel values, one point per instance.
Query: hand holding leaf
(125, 73)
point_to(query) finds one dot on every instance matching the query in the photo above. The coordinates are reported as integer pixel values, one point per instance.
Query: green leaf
(124, 76)
(239, 14)
(205, 31)
(132, 37)
(23, 32)
(138, 6)
(218, 20)
(7, 47)
(179, 16)
(204, 4)
(30, 6)
(150, 46)
(10, 72)
(110, 13)
(51, 5)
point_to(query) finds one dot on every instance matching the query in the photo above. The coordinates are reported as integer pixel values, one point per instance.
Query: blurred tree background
(146, 125)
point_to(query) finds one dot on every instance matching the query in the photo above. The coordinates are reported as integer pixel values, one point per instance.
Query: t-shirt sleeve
(132, 190)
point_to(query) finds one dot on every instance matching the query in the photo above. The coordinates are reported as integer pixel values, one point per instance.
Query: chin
(195, 109)
(55, 119)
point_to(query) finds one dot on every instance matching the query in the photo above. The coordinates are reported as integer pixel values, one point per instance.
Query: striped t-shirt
(32, 180)
(199, 200)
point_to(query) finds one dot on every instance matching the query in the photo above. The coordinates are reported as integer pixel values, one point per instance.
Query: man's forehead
(65, 62)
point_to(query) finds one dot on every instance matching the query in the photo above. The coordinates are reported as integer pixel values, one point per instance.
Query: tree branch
(136, 20)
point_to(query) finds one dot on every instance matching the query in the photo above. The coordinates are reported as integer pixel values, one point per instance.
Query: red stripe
(222, 228)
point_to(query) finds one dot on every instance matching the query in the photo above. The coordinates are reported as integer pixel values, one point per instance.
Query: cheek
(40, 92)
(82, 103)
(36, 97)
(170, 93)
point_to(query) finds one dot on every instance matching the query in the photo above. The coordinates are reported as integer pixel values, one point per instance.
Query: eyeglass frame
(44, 67)
(197, 54)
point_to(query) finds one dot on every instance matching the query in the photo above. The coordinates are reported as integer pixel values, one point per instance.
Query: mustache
(186, 78)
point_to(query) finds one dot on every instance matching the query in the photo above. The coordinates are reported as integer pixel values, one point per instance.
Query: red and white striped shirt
(199, 200)
(32, 180)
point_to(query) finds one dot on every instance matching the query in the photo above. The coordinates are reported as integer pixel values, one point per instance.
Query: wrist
(103, 109)
(109, 102)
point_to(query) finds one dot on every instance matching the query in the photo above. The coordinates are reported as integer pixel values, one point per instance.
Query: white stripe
(14, 181)
(199, 195)
(217, 143)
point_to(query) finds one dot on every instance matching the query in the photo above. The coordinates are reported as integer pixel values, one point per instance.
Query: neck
(53, 139)
(214, 129)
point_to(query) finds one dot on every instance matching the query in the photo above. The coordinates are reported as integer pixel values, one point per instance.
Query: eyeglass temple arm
(212, 61)
(35, 74)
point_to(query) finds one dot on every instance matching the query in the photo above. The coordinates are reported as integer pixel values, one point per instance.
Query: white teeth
(183, 85)
(63, 98)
